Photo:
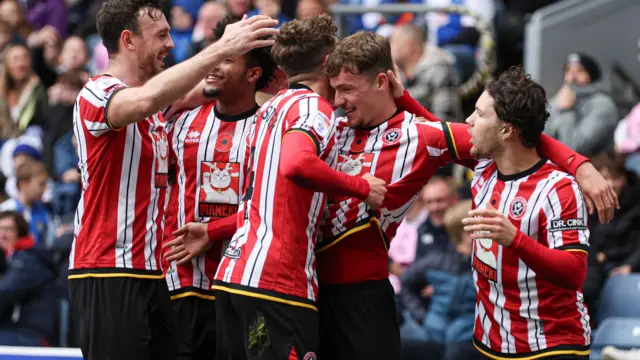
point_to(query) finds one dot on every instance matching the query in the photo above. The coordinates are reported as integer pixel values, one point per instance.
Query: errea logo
(193, 136)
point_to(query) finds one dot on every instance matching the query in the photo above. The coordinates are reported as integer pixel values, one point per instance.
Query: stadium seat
(623, 333)
(620, 297)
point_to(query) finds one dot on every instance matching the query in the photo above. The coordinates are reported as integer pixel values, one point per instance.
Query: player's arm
(129, 105)
(299, 162)
(563, 222)
(191, 100)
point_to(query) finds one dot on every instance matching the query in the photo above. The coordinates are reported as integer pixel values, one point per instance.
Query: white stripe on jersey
(584, 317)
(152, 211)
(96, 128)
(239, 238)
(127, 196)
(269, 174)
(500, 315)
(583, 235)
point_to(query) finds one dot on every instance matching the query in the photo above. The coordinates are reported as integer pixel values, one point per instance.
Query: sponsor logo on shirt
(568, 224)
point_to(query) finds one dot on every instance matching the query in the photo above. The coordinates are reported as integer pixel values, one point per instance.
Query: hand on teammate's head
(245, 35)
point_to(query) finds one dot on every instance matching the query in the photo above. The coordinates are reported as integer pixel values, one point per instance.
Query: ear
(253, 74)
(126, 40)
(508, 131)
(382, 81)
(324, 62)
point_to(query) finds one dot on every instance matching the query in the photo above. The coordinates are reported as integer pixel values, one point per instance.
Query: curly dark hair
(301, 45)
(115, 16)
(260, 57)
(522, 102)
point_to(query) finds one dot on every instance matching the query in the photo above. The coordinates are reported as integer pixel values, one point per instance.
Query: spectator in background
(11, 14)
(444, 330)
(422, 232)
(27, 296)
(270, 8)
(41, 13)
(31, 178)
(428, 72)
(5, 37)
(583, 116)
(183, 18)
(208, 16)
(59, 152)
(310, 8)
(74, 56)
(238, 7)
(615, 247)
(23, 99)
(627, 139)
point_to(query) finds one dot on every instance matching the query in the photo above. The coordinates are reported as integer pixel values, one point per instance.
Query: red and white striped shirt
(118, 223)
(209, 151)
(404, 154)
(272, 253)
(519, 314)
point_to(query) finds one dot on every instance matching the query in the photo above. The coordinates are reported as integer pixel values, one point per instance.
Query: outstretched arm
(129, 105)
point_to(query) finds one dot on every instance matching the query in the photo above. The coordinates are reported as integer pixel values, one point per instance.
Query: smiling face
(231, 77)
(152, 44)
(359, 96)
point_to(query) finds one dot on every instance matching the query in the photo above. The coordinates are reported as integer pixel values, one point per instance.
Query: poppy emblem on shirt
(518, 208)
(391, 136)
(359, 143)
(224, 142)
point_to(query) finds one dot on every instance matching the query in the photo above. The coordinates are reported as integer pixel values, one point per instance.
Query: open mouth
(211, 78)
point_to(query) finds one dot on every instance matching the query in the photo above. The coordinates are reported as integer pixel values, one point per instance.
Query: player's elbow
(291, 168)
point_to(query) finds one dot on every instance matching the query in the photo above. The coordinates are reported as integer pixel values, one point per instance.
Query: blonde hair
(453, 220)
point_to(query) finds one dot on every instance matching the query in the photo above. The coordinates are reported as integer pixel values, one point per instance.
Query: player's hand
(191, 241)
(246, 34)
(395, 81)
(597, 191)
(377, 191)
(491, 224)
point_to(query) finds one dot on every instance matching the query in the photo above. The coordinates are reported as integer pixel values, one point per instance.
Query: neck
(385, 111)
(317, 83)
(23, 200)
(126, 71)
(237, 105)
(515, 159)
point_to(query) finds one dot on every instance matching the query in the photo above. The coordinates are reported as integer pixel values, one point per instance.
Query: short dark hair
(21, 224)
(301, 45)
(115, 16)
(522, 102)
(361, 53)
(260, 57)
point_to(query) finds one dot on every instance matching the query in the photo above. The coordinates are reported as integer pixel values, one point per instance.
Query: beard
(148, 67)
(210, 92)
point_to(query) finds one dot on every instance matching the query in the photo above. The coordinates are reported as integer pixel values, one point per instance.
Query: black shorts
(123, 318)
(252, 328)
(358, 321)
(195, 328)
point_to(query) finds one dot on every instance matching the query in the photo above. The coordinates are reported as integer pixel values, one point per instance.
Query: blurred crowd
(49, 48)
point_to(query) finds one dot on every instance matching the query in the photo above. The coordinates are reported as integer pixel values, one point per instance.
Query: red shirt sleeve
(560, 154)
(300, 163)
(222, 229)
(548, 147)
(566, 269)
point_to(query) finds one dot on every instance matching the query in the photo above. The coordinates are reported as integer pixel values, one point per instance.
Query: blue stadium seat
(623, 333)
(620, 297)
